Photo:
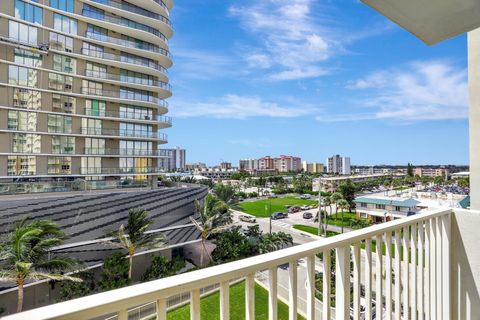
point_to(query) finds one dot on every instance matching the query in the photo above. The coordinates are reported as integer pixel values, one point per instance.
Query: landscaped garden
(261, 208)
(210, 306)
(313, 230)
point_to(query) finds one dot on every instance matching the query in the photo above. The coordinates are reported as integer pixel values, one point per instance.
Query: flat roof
(431, 21)
(408, 203)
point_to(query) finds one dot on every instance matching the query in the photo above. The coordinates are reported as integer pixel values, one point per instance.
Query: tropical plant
(133, 237)
(334, 198)
(71, 290)
(115, 272)
(224, 192)
(213, 217)
(24, 255)
(161, 267)
(347, 189)
(274, 241)
(191, 180)
(342, 204)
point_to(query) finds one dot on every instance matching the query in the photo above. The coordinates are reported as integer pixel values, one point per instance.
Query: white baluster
(356, 281)
(368, 278)
(311, 288)
(195, 304)
(379, 276)
(406, 273)
(272, 293)
(433, 268)
(326, 285)
(388, 275)
(413, 265)
(225, 300)
(421, 270)
(342, 283)
(398, 274)
(439, 276)
(428, 305)
(250, 297)
(292, 292)
(161, 306)
(446, 224)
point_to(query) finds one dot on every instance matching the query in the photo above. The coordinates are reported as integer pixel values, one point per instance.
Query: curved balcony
(166, 121)
(132, 96)
(123, 22)
(138, 10)
(126, 152)
(144, 170)
(129, 44)
(123, 133)
(164, 86)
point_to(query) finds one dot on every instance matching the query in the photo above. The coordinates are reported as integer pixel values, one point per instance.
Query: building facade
(288, 164)
(339, 165)
(431, 172)
(248, 164)
(380, 210)
(175, 160)
(313, 167)
(83, 87)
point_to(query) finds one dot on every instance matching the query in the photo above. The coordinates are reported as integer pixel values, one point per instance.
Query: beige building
(313, 167)
(83, 87)
(431, 172)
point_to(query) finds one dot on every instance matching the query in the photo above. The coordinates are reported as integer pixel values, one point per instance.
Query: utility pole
(319, 206)
(268, 208)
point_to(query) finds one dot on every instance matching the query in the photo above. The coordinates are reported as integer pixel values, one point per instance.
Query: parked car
(249, 219)
(273, 195)
(313, 206)
(307, 215)
(279, 215)
(293, 209)
(305, 196)
(305, 207)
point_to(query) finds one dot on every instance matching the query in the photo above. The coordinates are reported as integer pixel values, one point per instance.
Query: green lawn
(313, 230)
(210, 306)
(257, 208)
(350, 220)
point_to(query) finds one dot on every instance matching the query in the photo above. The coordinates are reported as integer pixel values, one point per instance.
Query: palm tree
(342, 204)
(275, 241)
(334, 198)
(213, 217)
(327, 201)
(24, 255)
(133, 237)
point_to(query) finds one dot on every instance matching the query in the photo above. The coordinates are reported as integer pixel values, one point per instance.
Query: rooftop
(408, 203)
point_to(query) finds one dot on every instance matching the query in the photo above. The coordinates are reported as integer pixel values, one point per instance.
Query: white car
(246, 218)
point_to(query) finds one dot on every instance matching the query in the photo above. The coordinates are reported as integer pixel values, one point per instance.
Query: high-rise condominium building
(82, 88)
(175, 161)
(288, 163)
(313, 167)
(248, 164)
(338, 164)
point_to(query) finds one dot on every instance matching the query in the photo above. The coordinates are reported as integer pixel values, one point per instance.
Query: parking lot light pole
(319, 206)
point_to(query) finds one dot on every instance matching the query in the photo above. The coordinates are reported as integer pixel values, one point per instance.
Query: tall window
(27, 99)
(95, 108)
(27, 58)
(136, 77)
(64, 63)
(64, 24)
(22, 32)
(64, 5)
(28, 12)
(128, 93)
(94, 146)
(91, 165)
(26, 143)
(61, 42)
(137, 148)
(59, 165)
(63, 145)
(133, 112)
(21, 166)
(135, 130)
(65, 104)
(60, 82)
(22, 120)
(22, 76)
(91, 87)
(92, 126)
(59, 124)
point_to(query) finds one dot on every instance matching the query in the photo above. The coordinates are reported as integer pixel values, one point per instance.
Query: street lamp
(319, 205)
(269, 209)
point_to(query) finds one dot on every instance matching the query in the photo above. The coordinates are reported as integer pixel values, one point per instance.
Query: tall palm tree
(342, 204)
(274, 241)
(24, 255)
(213, 217)
(133, 237)
(327, 202)
(334, 198)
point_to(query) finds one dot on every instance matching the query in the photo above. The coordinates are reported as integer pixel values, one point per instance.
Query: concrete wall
(474, 90)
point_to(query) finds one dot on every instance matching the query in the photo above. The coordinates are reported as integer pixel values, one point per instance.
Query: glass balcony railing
(128, 43)
(127, 115)
(119, 170)
(123, 133)
(124, 95)
(138, 10)
(117, 77)
(126, 152)
(122, 58)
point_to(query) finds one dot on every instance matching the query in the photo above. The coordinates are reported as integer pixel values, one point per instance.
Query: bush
(252, 194)
(114, 272)
(71, 290)
(161, 267)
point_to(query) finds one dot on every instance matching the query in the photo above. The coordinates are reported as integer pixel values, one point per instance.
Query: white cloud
(239, 107)
(289, 36)
(421, 90)
(203, 65)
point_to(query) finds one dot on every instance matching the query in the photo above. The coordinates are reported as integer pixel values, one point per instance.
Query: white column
(342, 283)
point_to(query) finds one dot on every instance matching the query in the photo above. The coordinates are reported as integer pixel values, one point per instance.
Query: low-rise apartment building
(431, 172)
(330, 184)
(381, 210)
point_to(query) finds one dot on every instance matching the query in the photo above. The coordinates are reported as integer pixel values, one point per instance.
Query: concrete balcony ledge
(438, 276)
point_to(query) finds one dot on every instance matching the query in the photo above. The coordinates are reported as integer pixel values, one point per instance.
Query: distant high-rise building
(288, 163)
(225, 165)
(313, 167)
(248, 164)
(176, 160)
(338, 164)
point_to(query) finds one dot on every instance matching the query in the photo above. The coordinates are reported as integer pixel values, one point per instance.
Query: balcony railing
(123, 133)
(126, 152)
(127, 115)
(117, 77)
(408, 278)
(120, 170)
(122, 58)
(135, 9)
(128, 44)
(127, 95)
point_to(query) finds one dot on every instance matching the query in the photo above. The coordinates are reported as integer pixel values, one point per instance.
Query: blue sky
(313, 78)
